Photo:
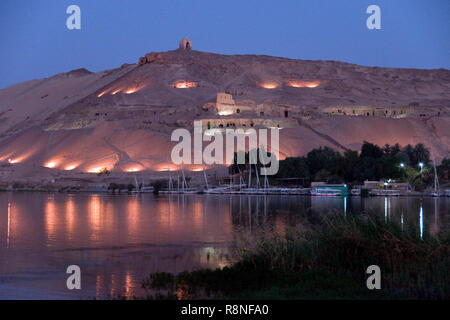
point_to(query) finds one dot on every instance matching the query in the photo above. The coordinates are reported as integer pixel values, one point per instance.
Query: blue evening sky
(35, 43)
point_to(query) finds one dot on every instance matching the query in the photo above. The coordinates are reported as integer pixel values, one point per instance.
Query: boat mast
(266, 182)
(257, 177)
(183, 183)
(170, 182)
(136, 183)
(206, 180)
(240, 178)
(436, 180)
(249, 174)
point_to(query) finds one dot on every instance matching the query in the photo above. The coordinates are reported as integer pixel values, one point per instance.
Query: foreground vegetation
(326, 260)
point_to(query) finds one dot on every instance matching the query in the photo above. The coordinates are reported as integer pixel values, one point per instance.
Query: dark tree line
(371, 163)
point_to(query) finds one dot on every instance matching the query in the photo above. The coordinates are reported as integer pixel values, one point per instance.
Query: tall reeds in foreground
(324, 260)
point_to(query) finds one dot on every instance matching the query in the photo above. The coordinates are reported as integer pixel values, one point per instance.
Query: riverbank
(128, 187)
(21, 177)
(325, 260)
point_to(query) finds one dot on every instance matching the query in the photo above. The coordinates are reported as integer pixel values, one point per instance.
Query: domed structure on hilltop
(185, 44)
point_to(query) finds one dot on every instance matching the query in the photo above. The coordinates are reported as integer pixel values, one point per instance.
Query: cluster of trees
(120, 186)
(371, 163)
(443, 170)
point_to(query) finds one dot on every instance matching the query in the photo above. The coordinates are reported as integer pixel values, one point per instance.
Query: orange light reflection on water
(133, 214)
(50, 219)
(94, 215)
(70, 218)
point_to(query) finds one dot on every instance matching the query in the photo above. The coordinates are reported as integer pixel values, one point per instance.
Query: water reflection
(9, 225)
(345, 206)
(50, 219)
(434, 228)
(133, 213)
(118, 240)
(402, 221)
(386, 213)
(94, 215)
(421, 221)
(70, 218)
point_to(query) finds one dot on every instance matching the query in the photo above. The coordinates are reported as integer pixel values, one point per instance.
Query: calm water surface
(117, 240)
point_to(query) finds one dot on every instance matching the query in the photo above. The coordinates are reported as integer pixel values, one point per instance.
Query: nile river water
(117, 240)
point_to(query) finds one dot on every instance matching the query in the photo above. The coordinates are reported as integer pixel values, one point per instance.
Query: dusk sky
(35, 42)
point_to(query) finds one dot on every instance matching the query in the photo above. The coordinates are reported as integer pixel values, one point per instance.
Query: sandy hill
(78, 122)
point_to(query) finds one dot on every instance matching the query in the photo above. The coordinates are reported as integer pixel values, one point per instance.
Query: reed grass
(326, 260)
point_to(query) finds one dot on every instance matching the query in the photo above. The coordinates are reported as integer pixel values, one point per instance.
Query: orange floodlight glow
(4, 157)
(269, 85)
(20, 158)
(50, 164)
(17, 160)
(70, 167)
(129, 91)
(166, 167)
(133, 89)
(182, 84)
(225, 112)
(304, 84)
(95, 170)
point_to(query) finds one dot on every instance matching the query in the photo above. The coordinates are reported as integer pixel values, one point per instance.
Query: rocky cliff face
(122, 118)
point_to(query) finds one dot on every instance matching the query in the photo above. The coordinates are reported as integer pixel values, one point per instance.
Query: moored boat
(385, 193)
(326, 192)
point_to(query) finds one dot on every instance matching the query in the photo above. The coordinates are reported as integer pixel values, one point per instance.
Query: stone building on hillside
(226, 106)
